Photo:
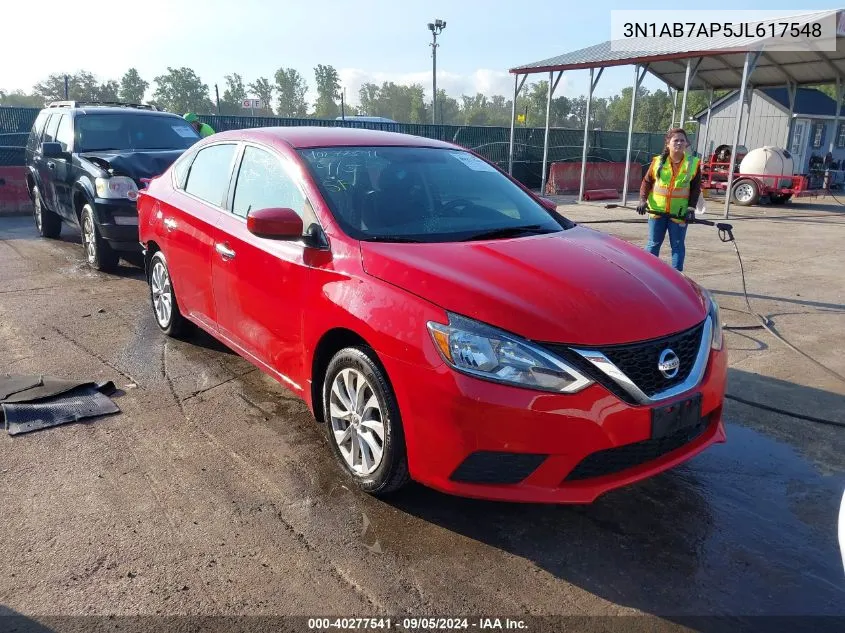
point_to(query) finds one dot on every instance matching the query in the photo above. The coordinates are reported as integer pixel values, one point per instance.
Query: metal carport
(724, 63)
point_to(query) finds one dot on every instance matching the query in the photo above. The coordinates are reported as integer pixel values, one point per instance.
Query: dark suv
(87, 161)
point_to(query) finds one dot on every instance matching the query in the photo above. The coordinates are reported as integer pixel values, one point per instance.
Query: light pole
(436, 29)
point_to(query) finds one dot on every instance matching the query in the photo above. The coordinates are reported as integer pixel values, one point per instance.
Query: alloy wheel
(162, 292)
(357, 422)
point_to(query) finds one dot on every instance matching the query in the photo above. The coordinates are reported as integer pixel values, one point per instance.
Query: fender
(84, 187)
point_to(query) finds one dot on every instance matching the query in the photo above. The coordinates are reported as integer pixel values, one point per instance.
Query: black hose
(726, 235)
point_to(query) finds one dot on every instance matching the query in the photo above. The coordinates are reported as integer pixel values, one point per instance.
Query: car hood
(577, 286)
(135, 164)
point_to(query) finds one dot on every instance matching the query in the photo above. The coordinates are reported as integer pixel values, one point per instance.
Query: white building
(766, 122)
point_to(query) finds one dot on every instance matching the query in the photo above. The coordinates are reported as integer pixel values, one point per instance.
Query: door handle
(225, 251)
(51, 164)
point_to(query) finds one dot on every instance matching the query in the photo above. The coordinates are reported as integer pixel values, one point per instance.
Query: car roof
(114, 110)
(303, 137)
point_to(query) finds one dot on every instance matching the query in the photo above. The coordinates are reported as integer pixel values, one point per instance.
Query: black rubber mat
(83, 402)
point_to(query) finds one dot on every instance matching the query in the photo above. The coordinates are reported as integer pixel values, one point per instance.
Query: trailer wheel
(745, 193)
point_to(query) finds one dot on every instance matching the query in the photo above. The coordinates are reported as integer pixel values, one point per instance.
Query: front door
(798, 148)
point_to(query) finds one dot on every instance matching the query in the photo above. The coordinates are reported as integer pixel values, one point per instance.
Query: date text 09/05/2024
(415, 624)
(722, 29)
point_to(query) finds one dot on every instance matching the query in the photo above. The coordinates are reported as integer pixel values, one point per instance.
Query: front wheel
(364, 423)
(98, 253)
(745, 193)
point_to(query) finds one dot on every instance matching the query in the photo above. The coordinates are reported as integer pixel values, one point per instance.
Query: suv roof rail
(109, 104)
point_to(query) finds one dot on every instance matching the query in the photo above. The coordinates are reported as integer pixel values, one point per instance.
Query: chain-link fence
(565, 145)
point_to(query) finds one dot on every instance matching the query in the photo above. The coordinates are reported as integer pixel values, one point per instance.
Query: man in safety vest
(203, 129)
(670, 191)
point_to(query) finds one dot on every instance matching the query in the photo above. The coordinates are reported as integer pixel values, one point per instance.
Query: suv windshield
(420, 194)
(119, 131)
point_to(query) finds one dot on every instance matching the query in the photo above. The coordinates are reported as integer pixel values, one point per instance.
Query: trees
(233, 95)
(132, 87)
(328, 92)
(181, 90)
(291, 88)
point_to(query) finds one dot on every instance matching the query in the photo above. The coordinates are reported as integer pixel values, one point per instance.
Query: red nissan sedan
(444, 323)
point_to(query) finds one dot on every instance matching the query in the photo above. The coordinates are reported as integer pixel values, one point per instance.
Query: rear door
(188, 221)
(258, 282)
(63, 170)
(47, 166)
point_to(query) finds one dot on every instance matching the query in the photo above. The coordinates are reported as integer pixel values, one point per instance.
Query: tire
(49, 224)
(745, 193)
(377, 423)
(166, 311)
(98, 253)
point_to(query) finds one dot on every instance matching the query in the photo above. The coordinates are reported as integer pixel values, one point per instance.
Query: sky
(365, 40)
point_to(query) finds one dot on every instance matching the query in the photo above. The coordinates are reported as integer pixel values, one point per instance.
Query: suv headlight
(486, 352)
(121, 187)
(716, 320)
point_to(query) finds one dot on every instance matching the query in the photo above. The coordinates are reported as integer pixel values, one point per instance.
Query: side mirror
(275, 223)
(52, 150)
(548, 204)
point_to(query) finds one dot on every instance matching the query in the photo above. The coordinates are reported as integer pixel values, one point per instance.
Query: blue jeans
(677, 234)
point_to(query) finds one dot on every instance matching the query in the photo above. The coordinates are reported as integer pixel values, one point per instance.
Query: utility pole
(217, 94)
(436, 29)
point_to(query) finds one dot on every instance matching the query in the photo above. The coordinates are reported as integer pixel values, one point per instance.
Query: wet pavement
(214, 491)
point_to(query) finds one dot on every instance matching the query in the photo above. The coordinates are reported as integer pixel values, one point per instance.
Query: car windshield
(118, 131)
(420, 194)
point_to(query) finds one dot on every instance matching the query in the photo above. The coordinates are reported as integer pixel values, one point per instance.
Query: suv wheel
(364, 426)
(98, 253)
(48, 223)
(165, 307)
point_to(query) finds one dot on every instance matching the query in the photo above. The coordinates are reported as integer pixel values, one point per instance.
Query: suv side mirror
(52, 150)
(275, 223)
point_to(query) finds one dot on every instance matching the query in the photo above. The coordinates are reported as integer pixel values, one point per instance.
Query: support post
(835, 134)
(686, 91)
(551, 91)
(517, 86)
(791, 91)
(637, 80)
(747, 69)
(593, 84)
(674, 109)
(704, 150)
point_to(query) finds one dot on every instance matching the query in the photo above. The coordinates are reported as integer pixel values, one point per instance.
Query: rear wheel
(365, 428)
(98, 253)
(48, 223)
(165, 307)
(745, 193)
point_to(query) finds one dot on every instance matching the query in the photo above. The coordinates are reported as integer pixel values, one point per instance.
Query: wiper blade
(392, 238)
(511, 231)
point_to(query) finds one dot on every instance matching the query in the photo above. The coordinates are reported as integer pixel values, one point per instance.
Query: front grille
(615, 460)
(492, 467)
(638, 361)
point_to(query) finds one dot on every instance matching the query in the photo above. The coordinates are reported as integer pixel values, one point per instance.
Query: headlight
(716, 318)
(483, 351)
(116, 187)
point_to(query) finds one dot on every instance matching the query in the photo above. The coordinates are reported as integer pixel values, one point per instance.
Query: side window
(34, 140)
(64, 134)
(181, 167)
(50, 132)
(208, 178)
(263, 183)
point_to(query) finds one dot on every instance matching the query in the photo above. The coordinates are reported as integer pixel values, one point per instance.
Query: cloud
(483, 80)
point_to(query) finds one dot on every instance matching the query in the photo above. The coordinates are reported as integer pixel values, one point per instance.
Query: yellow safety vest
(668, 196)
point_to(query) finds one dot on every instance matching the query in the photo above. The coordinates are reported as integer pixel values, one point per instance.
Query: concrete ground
(213, 492)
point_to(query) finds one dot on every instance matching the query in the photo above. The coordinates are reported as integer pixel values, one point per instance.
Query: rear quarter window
(37, 130)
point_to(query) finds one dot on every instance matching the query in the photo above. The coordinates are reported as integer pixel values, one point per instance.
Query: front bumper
(475, 438)
(120, 236)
